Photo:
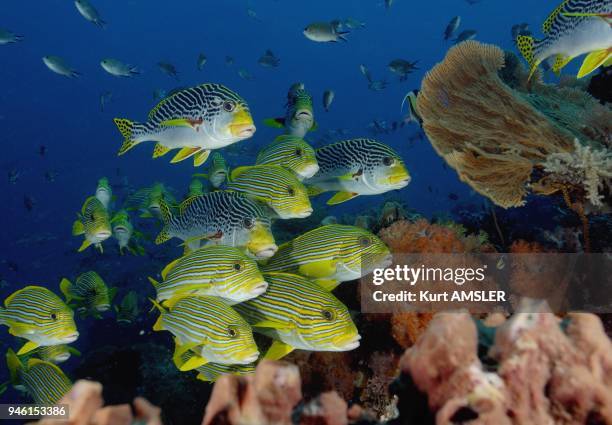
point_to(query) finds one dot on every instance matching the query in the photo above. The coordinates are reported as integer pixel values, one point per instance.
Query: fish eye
(232, 332)
(229, 106)
(299, 152)
(248, 222)
(388, 161)
(53, 316)
(364, 241)
(328, 314)
(290, 191)
(237, 266)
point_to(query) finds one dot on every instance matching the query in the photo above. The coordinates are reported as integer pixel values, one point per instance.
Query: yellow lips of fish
(242, 124)
(261, 242)
(397, 176)
(348, 339)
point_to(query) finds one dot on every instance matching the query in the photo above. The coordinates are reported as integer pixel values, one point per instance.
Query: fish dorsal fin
(169, 267)
(85, 204)
(236, 172)
(548, 23)
(186, 203)
(170, 303)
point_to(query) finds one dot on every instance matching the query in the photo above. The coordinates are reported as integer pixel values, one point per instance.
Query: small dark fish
(268, 60)
(42, 150)
(13, 176)
(328, 98)
(465, 35)
(452, 27)
(105, 98)
(50, 176)
(168, 69)
(429, 189)
(28, 203)
(453, 196)
(388, 4)
(229, 61)
(12, 266)
(201, 61)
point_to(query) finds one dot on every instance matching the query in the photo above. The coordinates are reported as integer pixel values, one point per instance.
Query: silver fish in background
(402, 68)
(324, 32)
(8, 37)
(89, 12)
(118, 69)
(465, 35)
(60, 66)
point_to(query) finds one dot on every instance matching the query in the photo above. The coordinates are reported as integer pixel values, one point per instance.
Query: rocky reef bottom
(531, 368)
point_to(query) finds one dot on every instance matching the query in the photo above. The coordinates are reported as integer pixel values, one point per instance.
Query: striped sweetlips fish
(210, 372)
(219, 218)
(38, 315)
(273, 186)
(574, 28)
(93, 222)
(43, 381)
(299, 116)
(217, 270)
(53, 353)
(210, 328)
(89, 293)
(357, 167)
(194, 120)
(331, 254)
(217, 171)
(299, 314)
(292, 153)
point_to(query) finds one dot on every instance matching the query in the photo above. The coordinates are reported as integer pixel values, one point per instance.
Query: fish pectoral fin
(146, 214)
(178, 122)
(28, 346)
(272, 325)
(593, 61)
(160, 150)
(278, 350)
(560, 62)
(78, 228)
(327, 284)
(318, 269)
(19, 329)
(84, 245)
(341, 197)
(275, 122)
(193, 363)
(314, 190)
(200, 157)
(184, 153)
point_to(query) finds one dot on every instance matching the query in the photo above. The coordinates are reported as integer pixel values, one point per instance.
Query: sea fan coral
(489, 135)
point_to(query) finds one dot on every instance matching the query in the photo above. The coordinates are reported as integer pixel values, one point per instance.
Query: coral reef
(495, 133)
(543, 375)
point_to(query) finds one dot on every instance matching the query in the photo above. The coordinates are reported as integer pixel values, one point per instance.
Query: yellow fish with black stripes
(195, 120)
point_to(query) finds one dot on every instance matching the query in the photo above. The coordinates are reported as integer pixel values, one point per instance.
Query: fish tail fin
(166, 216)
(342, 35)
(14, 365)
(527, 46)
(153, 282)
(2, 316)
(126, 127)
(75, 74)
(65, 286)
(78, 228)
(314, 190)
(158, 326)
(593, 61)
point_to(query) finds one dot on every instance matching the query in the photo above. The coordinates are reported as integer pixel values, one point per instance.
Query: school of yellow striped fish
(233, 280)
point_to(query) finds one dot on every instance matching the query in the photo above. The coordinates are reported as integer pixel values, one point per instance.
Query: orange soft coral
(421, 237)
